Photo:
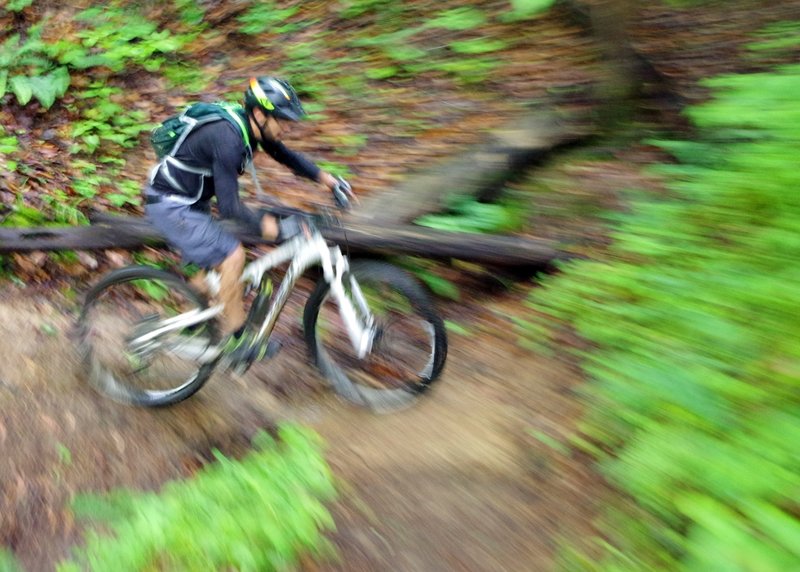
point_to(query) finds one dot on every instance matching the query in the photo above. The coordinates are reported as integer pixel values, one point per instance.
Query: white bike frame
(302, 251)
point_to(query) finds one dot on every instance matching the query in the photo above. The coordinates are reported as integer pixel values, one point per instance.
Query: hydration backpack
(167, 138)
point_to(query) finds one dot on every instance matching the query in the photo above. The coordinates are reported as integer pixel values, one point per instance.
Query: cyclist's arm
(297, 162)
(227, 159)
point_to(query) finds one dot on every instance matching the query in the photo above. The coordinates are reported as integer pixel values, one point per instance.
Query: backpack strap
(232, 112)
(227, 111)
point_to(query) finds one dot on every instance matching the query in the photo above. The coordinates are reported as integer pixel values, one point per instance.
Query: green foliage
(17, 5)
(266, 16)
(109, 39)
(426, 271)
(8, 563)
(778, 38)
(27, 72)
(524, 9)
(105, 121)
(93, 182)
(466, 71)
(401, 55)
(349, 145)
(260, 513)
(456, 328)
(191, 12)
(128, 193)
(46, 88)
(190, 78)
(438, 285)
(153, 289)
(147, 260)
(64, 208)
(477, 46)
(9, 145)
(335, 169)
(355, 8)
(117, 39)
(64, 454)
(463, 18)
(469, 215)
(549, 441)
(22, 215)
(694, 404)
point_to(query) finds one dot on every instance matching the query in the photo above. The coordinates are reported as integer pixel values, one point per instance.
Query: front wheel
(409, 347)
(128, 354)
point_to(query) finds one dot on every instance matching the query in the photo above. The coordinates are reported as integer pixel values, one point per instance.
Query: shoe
(240, 352)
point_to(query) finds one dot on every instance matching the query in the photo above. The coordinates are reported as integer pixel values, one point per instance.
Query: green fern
(260, 513)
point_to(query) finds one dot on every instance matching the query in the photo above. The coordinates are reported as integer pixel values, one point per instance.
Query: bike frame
(302, 252)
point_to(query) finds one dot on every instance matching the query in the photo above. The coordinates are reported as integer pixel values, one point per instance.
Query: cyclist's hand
(341, 190)
(342, 193)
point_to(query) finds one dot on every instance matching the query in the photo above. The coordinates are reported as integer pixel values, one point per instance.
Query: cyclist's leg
(200, 283)
(231, 290)
(202, 241)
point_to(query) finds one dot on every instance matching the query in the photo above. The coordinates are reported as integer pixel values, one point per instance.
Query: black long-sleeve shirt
(220, 148)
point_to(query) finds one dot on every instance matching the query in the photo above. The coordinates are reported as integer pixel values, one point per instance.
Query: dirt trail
(455, 483)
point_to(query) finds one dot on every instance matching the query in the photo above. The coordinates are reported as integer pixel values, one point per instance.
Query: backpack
(167, 137)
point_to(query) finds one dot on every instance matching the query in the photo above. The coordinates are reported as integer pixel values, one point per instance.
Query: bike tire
(364, 382)
(127, 293)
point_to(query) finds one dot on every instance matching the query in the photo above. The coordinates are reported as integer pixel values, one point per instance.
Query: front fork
(357, 318)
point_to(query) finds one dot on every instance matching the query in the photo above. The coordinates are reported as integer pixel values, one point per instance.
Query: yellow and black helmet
(274, 97)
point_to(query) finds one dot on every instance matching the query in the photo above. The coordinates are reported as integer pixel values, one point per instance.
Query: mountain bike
(149, 338)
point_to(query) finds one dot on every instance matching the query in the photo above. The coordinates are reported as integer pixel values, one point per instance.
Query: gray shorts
(194, 233)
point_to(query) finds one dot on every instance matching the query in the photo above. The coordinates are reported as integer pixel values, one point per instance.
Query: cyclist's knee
(235, 259)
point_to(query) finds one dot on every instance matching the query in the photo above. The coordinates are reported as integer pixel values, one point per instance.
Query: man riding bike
(208, 164)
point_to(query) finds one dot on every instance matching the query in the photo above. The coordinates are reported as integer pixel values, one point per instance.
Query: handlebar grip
(340, 197)
(341, 193)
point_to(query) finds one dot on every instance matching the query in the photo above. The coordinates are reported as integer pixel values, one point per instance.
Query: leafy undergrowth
(694, 408)
(263, 512)
(79, 96)
(390, 87)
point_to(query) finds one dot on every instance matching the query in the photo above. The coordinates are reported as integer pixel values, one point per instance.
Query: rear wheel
(409, 347)
(125, 358)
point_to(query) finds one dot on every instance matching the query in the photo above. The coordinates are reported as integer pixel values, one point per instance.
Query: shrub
(261, 513)
(695, 369)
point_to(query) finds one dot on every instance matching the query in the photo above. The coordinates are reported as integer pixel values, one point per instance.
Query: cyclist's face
(268, 126)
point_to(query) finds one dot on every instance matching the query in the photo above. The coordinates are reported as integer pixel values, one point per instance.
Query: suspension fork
(358, 319)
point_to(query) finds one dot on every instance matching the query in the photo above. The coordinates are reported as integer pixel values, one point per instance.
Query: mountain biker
(177, 199)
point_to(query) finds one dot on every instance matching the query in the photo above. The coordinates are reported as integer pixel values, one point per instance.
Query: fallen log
(430, 243)
(480, 171)
(128, 232)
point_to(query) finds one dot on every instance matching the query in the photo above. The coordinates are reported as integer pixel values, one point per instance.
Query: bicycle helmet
(274, 97)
